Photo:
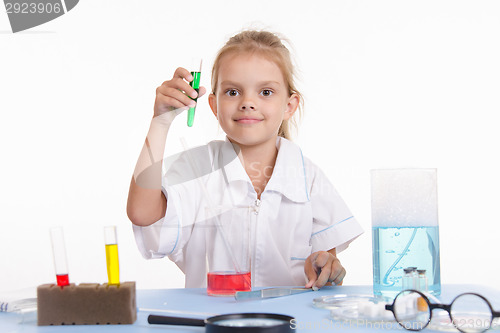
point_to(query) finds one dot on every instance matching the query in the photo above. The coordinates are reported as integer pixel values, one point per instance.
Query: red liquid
(62, 280)
(228, 283)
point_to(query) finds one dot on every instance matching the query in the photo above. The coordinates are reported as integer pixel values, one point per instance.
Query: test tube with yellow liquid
(112, 255)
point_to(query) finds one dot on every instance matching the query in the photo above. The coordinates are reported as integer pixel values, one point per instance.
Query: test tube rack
(86, 304)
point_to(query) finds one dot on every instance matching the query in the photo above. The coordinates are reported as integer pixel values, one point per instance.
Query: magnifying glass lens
(250, 322)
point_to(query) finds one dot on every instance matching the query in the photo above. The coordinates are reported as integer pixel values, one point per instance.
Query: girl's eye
(266, 92)
(232, 92)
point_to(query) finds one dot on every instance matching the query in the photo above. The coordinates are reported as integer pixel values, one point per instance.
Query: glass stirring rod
(59, 253)
(112, 255)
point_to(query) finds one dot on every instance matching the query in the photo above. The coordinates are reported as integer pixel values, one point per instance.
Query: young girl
(301, 222)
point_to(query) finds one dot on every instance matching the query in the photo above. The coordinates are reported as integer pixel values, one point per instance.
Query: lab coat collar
(234, 171)
(288, 176)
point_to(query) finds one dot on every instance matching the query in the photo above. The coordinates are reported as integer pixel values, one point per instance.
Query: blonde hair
(270, 46)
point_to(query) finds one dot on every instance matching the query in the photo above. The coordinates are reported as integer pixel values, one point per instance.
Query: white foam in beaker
(404, 197)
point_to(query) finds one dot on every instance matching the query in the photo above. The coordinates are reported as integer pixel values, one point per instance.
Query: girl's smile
(248, 120)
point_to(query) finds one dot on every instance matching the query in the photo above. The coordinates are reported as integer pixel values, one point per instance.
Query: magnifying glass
(234, 322)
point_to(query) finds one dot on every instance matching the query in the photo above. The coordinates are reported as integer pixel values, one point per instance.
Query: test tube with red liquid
(59, 253)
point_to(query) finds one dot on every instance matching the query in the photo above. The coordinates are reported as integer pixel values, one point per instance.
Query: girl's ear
(292, 105)
(212, 100)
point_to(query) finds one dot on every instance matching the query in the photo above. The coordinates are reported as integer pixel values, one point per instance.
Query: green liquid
(196, 86)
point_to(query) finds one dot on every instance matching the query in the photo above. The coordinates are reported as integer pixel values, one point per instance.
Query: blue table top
(308, 317)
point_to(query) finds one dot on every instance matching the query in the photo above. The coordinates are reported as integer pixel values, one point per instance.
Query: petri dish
(346, 301)
(356, 307)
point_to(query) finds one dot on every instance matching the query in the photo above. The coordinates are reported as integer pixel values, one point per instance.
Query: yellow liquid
(112, 264)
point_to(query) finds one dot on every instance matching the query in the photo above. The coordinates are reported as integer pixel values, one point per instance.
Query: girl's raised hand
(323, 267)
(172, 95)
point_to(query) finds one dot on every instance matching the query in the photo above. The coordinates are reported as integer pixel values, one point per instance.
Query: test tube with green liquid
(112, 255)
(195, 69)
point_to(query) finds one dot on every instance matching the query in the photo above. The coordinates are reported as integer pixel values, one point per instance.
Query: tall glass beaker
(405, 231)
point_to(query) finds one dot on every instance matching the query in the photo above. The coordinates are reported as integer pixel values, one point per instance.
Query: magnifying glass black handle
(166, 320)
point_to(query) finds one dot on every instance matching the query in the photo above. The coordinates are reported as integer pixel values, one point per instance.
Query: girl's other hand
(173, 95)
(323, 267)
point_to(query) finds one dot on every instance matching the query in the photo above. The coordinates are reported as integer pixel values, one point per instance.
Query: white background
(386, 84)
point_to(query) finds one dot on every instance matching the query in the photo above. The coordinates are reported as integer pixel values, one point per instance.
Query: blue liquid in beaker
(395, 248)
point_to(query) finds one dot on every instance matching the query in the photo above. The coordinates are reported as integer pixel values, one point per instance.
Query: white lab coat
(299, 212)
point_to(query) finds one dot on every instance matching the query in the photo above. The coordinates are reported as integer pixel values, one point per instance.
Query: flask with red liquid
(228, 233)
